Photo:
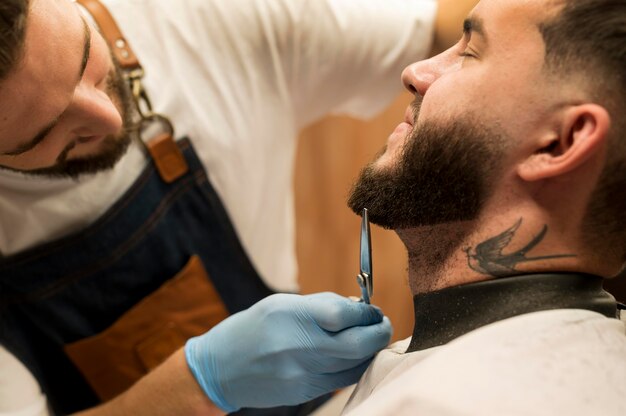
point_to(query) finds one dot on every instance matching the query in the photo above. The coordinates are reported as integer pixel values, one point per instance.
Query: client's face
(479, 106)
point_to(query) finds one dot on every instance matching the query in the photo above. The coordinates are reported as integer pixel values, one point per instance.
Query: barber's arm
(169, 389)
(284, 350)
(448, 24)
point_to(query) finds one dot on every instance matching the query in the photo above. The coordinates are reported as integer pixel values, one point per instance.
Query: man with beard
(505, 183)
(115, 251)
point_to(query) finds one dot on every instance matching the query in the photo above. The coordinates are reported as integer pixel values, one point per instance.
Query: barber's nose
(94, 113)
(419, 76)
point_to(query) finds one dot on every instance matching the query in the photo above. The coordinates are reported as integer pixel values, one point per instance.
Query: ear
(580, 133)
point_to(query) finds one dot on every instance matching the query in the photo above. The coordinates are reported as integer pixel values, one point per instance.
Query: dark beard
(445, 174)
(112, 148)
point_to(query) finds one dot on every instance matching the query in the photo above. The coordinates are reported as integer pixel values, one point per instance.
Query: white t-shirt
(560, 362)
(240, 78)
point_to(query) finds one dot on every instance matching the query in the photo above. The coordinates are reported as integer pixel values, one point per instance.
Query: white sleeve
(318, 56)
(305, 58)
(20, 394)
(348, 55)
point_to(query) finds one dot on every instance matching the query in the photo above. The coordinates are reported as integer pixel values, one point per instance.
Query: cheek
(446, 99)
(489, 100)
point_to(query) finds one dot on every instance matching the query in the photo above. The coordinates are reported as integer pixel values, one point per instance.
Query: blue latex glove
(286, 350)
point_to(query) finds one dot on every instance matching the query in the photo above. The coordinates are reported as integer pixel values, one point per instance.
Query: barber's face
(475, 105)
(65, 106)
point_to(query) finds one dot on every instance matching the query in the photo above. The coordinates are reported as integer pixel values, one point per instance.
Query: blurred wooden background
(331, 154)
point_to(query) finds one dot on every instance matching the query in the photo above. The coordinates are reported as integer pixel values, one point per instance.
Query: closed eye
(466, 54)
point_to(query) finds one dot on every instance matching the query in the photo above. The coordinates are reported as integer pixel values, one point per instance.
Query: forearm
(449, 23)
(168, 390)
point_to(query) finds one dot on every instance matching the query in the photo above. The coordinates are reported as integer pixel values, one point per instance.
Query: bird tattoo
(488, 258)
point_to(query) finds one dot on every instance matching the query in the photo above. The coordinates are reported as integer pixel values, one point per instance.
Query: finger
(358, 342)
(335, 313)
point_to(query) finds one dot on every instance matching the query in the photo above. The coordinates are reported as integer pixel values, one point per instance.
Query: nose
(93, 113)
(419, 76)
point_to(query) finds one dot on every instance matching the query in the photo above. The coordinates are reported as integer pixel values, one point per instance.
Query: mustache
(416, 106)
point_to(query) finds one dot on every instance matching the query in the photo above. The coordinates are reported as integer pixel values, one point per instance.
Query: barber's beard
(112, 147)
(111, 151)
(444, 174)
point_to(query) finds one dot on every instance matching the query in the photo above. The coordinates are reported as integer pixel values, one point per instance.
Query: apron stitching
(123, 202)
(43, 251)
(113, 256)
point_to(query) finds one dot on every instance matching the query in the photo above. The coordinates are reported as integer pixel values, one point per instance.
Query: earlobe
(581, 133)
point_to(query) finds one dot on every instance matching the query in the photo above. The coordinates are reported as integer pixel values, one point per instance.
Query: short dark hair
(13, 15)
(588, 38)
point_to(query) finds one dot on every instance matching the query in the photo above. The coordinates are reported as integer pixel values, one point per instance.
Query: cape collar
(446, 314)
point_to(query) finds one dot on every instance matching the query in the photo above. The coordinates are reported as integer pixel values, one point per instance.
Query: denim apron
(91, 313)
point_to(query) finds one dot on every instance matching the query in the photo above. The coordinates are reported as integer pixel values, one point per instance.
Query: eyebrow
(44, 132)
(86, 49)
(474, 24)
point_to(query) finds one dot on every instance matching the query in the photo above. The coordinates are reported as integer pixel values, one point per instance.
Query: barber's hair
(587, 40)
(13, 15)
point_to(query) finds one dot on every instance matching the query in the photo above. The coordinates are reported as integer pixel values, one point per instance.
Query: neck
(432, 251)
(447, 255)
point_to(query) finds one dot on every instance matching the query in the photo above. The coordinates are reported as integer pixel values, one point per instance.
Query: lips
(408, 115)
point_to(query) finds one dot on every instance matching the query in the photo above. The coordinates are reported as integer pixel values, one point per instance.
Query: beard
(111, 151)
(112, 148)
(444, 174)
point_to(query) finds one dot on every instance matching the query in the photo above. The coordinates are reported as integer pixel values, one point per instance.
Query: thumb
(360, 342)
(335, 313)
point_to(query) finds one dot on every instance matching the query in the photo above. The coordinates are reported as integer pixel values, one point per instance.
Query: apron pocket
(142, 338)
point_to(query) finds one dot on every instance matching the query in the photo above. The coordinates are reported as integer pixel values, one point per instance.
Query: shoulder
(545, 363)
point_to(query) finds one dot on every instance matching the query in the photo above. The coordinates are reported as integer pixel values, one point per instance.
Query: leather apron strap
(112, 34)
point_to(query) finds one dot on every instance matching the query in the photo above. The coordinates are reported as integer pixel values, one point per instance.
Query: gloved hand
(286, 350)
